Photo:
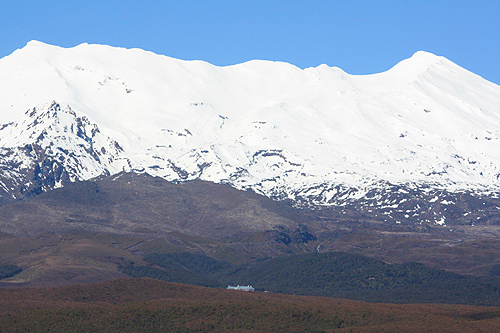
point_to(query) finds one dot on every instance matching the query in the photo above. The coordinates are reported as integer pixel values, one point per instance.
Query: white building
(243, 288)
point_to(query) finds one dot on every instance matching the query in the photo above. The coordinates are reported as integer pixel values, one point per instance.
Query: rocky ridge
(415, 145)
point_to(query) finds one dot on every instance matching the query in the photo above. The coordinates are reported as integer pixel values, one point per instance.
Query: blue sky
(361, 37)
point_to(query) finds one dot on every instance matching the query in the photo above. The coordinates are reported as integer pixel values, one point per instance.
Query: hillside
(357, 277)
(139, 204)
(90, 231)
(148, 305)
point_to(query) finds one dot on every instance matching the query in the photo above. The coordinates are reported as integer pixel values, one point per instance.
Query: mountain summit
(317, 136)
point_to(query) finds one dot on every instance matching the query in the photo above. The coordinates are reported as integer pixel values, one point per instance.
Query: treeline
(7, 271)
(357, 277)
(186, 267)
(335, 274)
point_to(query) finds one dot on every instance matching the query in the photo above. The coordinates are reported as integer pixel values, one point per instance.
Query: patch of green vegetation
(362, 278)
(167, 269)
(495, 270)
(7, 271)
(197, 263)
(336, 274)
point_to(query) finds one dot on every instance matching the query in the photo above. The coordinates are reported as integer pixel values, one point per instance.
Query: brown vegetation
(151, 305)
(85, 231)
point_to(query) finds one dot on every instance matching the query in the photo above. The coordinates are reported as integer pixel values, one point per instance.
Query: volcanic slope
(98, 224)
(317, 136)
(139, 204)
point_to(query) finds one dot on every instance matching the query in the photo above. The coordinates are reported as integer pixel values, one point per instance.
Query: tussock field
(135, 305)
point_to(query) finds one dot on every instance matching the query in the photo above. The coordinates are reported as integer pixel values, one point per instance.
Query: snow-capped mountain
(426, 129)
(49, 147)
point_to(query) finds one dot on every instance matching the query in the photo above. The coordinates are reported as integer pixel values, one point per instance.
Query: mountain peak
(419, 62)
(424, 55)
(266, 126)
(36, 43)
(409, 69)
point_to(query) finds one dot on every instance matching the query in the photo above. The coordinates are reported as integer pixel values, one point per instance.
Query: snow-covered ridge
(267, 126)
(50, 146)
